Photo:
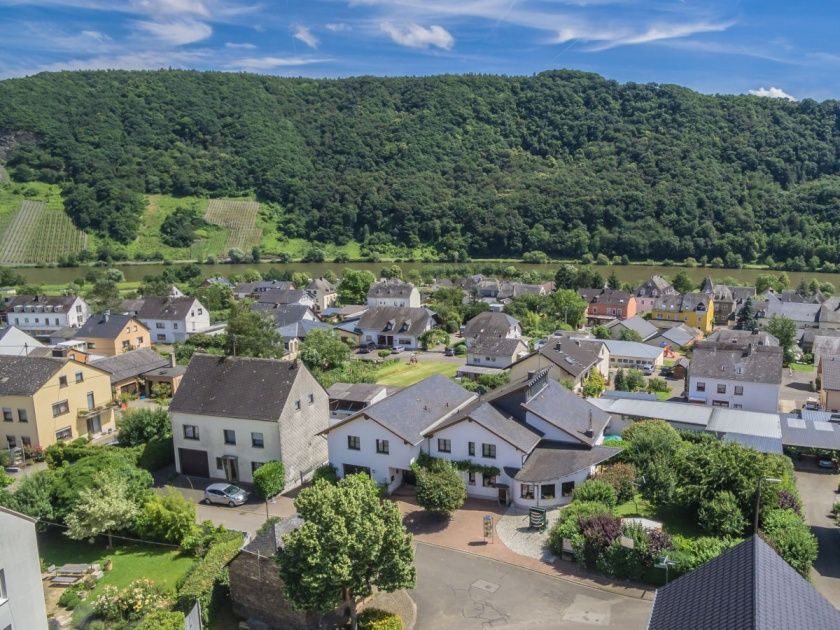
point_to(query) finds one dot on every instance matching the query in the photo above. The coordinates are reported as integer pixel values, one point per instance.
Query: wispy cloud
(178, 32)
(172, 7)
(240, 45)
(649, 35)
(257, 64)
(416, 36)
(305, 35)
(337, 27)
(772, 92)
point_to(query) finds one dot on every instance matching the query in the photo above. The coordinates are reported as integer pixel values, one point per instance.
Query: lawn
(402, 374)
(672, 521)
(664, 395)
(802, 367)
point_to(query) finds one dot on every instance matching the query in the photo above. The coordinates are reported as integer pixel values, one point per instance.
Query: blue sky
(771, 47)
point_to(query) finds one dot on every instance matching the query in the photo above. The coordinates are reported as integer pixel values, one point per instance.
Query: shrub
(596, 491)
(200, 583)
(56, 454)
(722, 515)
(138, 426)
(134, 602)
(690, 553)
(621, 478)
(204, 536)
(567, 525)
(166, 518)
(792, 538)
(440, 490)
(156, 454)
(70, 598)
(789, 501)
(598, 533)
(270, 479)
(657, 384)
(162, 620)
(327, 472)
(383, 353)
(378, 619)
(633, 562)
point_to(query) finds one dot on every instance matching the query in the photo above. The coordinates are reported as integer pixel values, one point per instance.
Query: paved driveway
(464, 591)
(817, 489)
(796, 389)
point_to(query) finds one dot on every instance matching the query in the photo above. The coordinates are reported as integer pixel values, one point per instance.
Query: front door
(94, 424)
(503, 496)
(231, 469)
(90, 401)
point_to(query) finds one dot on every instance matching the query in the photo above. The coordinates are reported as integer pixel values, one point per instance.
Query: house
(654, 287)
(489, 325)
(728, 300)
(828, 377)
(389, 326)
(217, 281)
(293, 322)
(168, 376)
(347, 399)
(680, 370)
(39, 315)
(634, 354)
(284, 297)
(635, 325)
(22, 604)
(803, 314)
(170, 319)
(230, 415)
(127, 370)
(825, 347)
(46, 400)
(828, 317)
(497, 353)
(242, 290)
(509, 290)
(742, 375)
(349, 333)
(393, 293)
(323, 291)
(109, 334)
(743, 337)
(15, 342)
(568, 360)
(610, 304)
(693, 309)
(676, 337)
(809, 335)
(749, 587)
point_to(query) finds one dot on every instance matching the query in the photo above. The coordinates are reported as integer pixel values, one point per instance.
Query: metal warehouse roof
(758, 424)
(808, 433)
(669, 411)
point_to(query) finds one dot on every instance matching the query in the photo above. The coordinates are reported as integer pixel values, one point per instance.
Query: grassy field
(673, 522)
(402, 374)
(802, 367)
(239, 217)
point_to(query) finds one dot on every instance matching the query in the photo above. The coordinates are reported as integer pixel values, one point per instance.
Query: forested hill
(562, 162)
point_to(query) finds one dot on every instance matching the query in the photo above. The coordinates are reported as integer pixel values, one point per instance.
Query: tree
(251, 334)
(722, 515)
(612, 281)
(104, 294)
(654, 449)
(440, 490)
(621, 477)
(792, 538)
(747, 317)
(270, 479)
(167, 517)
(138, 426)
(596, 491)
(569, 307)
(682, 283)
(601, 332)
(354, 286)
(784, 329)
(178, 229)
(34, 496)
(103, 509)
(351, 542)
(594, 385)
(323, 350)
(629, 334)
(566, 277)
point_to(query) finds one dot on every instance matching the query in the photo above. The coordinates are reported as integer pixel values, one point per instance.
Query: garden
(680, 499)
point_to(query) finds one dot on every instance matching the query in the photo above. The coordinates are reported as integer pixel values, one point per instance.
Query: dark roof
(490, 323)
(748, 586)
(509, 289)
(130, 364)
(23, 376)
(390, 289)
(681, 335)
(751, 364)
(555, 460)
(571, 355)
(321, 284)
(680, 303)
(830, 373)
(260, 286)
(655, 286)
(299, 329)
(57, 302)
(166, 308)
(281, 296)
(825, 347)
(797, 311)
(283, 314)
(497, 346)
(589, 294)
(829, 312)
(355, 392)
(236, 387)
(510, 430)
(105, 326)
(612, 296)
(396, 320)
(567, 411)
(742, 338)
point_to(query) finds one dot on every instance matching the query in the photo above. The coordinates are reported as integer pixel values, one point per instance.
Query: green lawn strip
(402, 374)
(664, 395)
(802, 367)
(672, 521)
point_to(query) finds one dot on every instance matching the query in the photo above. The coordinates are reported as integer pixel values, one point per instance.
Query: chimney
(172, 361)
(107, 315)
(590, 431)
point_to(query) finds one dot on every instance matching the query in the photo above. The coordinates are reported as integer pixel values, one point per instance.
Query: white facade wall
(24, 607)
(755, 397)
(577, 478)
(170, 331)
(409, 342)
(634, 361)
(484, 360)
(412, 300)
(17, 343)
(43, 322)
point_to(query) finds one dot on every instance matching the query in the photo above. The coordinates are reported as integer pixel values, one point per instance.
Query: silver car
(225, 494)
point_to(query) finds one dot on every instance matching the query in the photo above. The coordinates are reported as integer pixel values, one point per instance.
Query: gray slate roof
(829, 312)
(497, 346)
(23, 376)
(105, 326)
(281, 296)
(830, 373)
(510, 430)
(321, 285)
(130, 364)
(742, 338)
(166, 308)
(825, 347)
(636, 323)
(490, 323)
(655, 286)
(681, 335)
(684, 302)
(568, 412)
(355, 392)
(747, 587)
(236, 387)
(390, 289)
(753, 364)
(396, 320)
(59, 303)
(572, 355)
(283, 314)
(554, 460)
(612, 296)
(797, 311)
(269, 540)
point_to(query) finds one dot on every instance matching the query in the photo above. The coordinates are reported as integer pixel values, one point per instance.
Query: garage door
(194, 462)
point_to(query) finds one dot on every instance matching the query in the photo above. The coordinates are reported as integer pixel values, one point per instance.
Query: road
(817, 489)
(464, 591)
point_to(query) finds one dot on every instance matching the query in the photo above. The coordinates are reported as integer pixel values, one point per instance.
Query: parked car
(364, 350)
(825, 462)
(225, 494)
(666, 371)
(397, 349)
(648, 370)
(449, 352)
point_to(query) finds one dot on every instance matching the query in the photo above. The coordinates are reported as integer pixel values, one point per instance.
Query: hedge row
(206, 577)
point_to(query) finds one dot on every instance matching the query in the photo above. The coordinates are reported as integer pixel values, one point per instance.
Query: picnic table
(73, 569)
(65, 580)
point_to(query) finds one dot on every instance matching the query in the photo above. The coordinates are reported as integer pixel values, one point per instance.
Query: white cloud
(178, 32)
(337, 27)
(242, 46)
(772, 92)
(256, 64)
(95, 36)
(651, 34)
(305, 35)
(172, 7)
(140, 60)
(416, 36)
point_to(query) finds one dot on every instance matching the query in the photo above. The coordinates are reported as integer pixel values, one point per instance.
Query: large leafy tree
(105, 508)
(351, 542)
(323, 350)
(251, 334)
(784, 329)
(440, 489)
(138, 426)
(354, 285)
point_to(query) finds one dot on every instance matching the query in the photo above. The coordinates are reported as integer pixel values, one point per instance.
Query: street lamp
(772, 480)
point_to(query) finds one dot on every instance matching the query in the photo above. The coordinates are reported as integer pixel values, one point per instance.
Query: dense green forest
(484, 166)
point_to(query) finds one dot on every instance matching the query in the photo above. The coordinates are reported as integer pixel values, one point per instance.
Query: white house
(634, 354)
(40, 315)
(740, 376)
(15, 342)
(22, 605)
(490, 324)
(495, 352)
(230, 415)
(170, 319)
(390, 326)
(393, 292)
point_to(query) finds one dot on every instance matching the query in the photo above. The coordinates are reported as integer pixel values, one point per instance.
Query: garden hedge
(378, 619)
(205, 578)
(270, 479)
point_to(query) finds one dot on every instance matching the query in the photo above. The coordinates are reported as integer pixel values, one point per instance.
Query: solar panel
(796, 423)
(819, 425)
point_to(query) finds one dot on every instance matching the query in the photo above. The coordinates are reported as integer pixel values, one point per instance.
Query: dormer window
(390, 325)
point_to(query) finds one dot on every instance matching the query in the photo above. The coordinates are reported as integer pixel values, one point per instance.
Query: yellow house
(694, 309)
(109, 335)
(45, 400)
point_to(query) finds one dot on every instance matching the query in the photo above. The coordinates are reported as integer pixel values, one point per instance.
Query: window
(26, 441)
(297, 405)
(230, 436)
(354, 443)
(255, 465)
(487, 481)
(161, 337)
(444, 446)
(7, 415)
(471, 478)
(527, 491)
(22, 415)
(62, 381)
(11, 440)
(471, 449)
(60, 408)
(219, 463)
(382, 447)
(64, 434)
(175, 325)
(80, 377)
(257, 440)
(311, 399)
(567, 488)
(126, 344)
(200, 311)
(547, 491)
(91, 346)
(159, 325)
(701, 387)
(739, 390)
(190, 432)
(721, 389)
(488, 450)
